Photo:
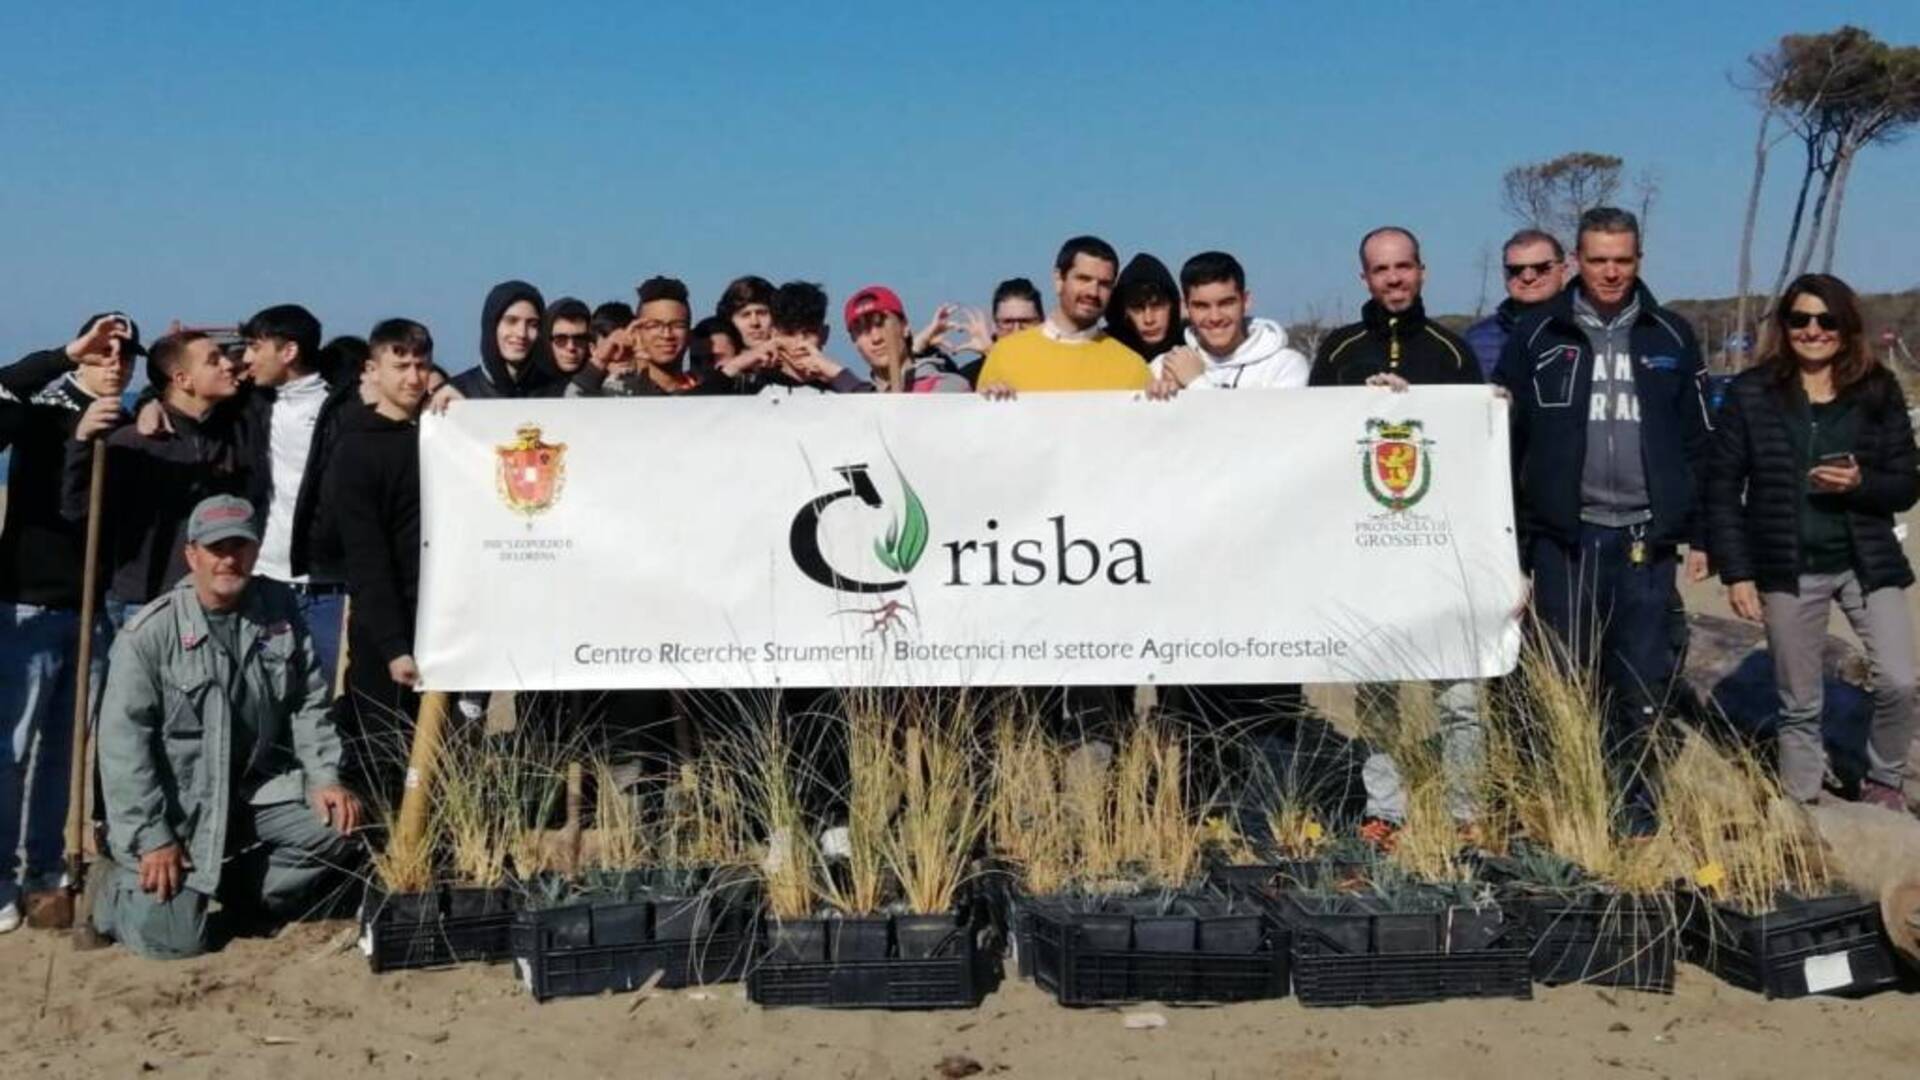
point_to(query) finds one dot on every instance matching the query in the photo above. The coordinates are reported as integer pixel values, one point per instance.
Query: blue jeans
(39, 648)
(322, 613)
(1612, 616)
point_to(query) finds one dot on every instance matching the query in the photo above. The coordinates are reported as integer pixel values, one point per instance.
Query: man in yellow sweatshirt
(1068, 351)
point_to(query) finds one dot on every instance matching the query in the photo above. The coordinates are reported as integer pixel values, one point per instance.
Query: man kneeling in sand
(219, 765)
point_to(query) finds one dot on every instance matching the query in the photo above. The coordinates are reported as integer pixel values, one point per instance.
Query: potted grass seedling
(931, 846)
(1117, 841)
(461, 897)
(787, 864)
(887, 891)
(1596, 902)
(651, 901)
(1763, 909)
(859, 888)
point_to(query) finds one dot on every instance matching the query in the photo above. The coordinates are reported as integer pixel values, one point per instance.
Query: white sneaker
(10, 918)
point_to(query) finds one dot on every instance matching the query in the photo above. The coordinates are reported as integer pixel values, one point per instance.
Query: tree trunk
(1818, 221)
(1793, 231)
(1833, 213)
(1760, 148)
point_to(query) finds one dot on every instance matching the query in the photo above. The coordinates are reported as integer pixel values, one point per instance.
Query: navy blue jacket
(1547, 366)
(1489, 336)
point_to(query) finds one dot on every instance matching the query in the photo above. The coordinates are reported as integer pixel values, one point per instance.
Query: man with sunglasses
(569, 336)
(1609, 418)
(1536, 270)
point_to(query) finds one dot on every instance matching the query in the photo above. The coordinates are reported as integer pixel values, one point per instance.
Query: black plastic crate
(1361, 954)
(591, 948)
(446, 925)
(893, 962)
(1600, 939)
(1184, 949)
(1266, 881)
(1830, 945)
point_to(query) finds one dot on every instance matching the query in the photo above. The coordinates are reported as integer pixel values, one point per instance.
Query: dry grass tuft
(942, 817)
(1743, 840)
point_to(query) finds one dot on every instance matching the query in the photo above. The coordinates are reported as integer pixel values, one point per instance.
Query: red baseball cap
(871, 299)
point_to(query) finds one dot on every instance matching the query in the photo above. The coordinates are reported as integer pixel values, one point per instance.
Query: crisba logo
(994, 559)
(899, 552)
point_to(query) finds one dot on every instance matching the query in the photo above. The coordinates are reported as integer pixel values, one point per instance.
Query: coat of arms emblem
(531, 472)
(1395, 463)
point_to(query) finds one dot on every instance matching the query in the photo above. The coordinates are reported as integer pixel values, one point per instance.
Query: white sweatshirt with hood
(1262, 362)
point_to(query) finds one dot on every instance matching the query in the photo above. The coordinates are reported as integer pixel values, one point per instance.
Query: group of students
(1618, 465)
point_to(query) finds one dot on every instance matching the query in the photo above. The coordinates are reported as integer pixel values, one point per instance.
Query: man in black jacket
(296, 413)
(1609, 421)
(374, 489)
(154, 481)
(1393, 344)
(513, 359)
(41, 556)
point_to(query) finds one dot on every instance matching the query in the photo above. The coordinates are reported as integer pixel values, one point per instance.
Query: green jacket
(166, 725)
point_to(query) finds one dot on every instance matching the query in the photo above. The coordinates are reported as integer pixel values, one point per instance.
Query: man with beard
(1068, 351)
(1393, 344)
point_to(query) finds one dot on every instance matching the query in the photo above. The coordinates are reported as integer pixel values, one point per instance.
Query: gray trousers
(279, 875)
(1462, 748)
(1797, 637)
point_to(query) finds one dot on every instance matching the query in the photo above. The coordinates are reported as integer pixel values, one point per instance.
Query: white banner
(1251, 537)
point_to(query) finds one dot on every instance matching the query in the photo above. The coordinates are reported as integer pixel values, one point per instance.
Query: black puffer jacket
(1757, 479)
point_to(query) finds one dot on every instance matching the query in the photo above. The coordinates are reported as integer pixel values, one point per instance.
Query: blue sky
(202, 161)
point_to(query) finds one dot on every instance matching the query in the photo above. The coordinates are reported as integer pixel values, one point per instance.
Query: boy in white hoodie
(1225, 349)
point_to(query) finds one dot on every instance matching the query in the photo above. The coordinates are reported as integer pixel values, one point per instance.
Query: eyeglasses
(1799, 320)
(1012, 323)
(658, 326)
(1539, 269)
(578, 341)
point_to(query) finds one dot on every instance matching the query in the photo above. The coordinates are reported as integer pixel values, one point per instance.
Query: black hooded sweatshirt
(492, 378)
(1142, 271)
(373, 488)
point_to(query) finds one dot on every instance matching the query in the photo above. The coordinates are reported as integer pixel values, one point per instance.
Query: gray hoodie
(1613, 478)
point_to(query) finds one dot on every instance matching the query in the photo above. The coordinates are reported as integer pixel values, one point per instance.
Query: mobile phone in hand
(1842, 459)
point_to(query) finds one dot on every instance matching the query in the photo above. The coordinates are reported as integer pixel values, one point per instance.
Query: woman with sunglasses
(1813, 456)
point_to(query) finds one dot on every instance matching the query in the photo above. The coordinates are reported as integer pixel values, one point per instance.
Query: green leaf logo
(906, 538)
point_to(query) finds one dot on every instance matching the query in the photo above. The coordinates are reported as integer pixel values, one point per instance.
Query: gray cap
(221, 517)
